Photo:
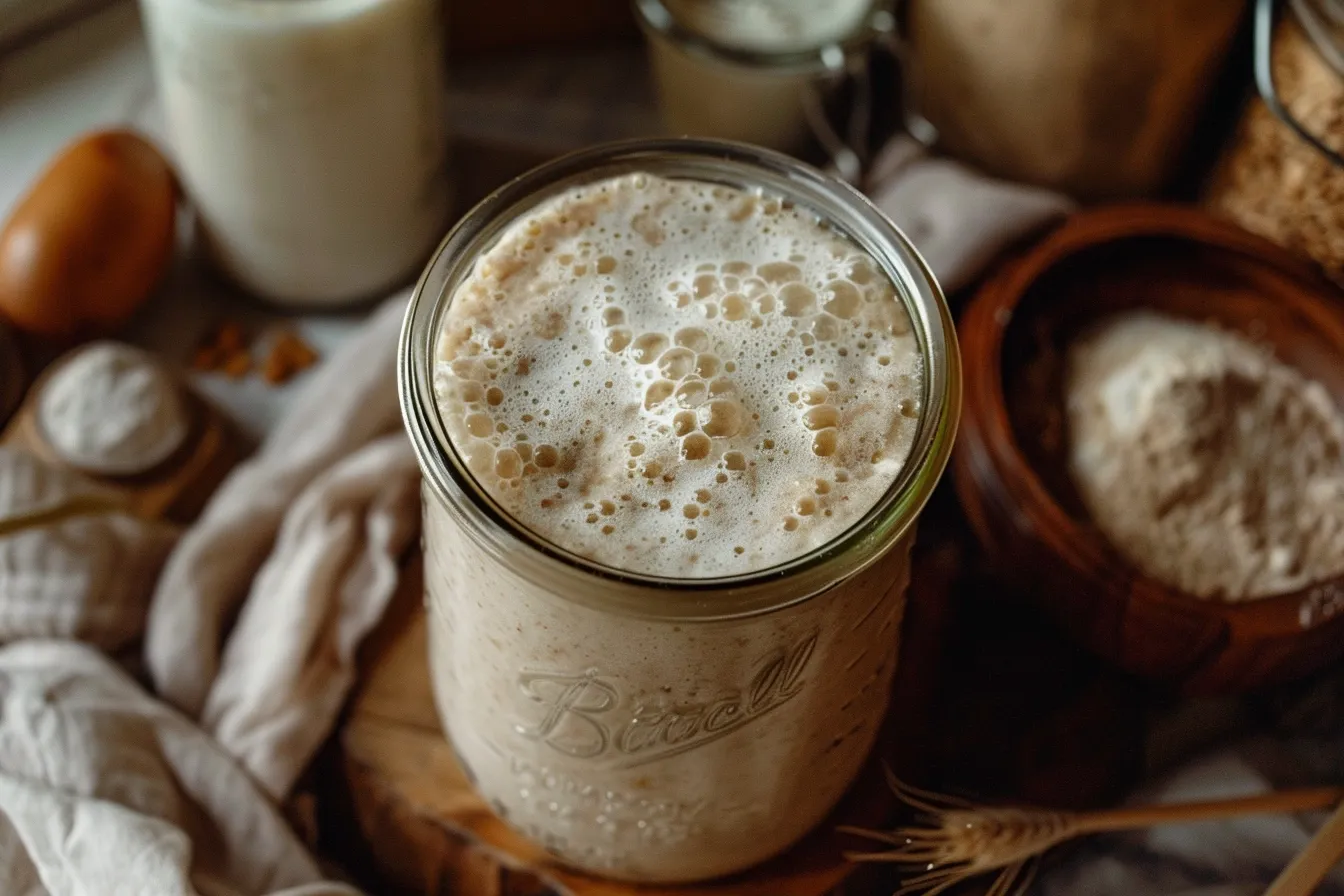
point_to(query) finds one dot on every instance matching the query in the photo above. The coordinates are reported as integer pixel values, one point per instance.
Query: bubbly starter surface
(680, 379)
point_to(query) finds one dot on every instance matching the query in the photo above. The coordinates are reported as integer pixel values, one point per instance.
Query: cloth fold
(300, 546)
(289, 660)
(105, 790)
(74, 561)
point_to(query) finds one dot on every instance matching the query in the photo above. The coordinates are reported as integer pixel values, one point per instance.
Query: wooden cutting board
(429, 832)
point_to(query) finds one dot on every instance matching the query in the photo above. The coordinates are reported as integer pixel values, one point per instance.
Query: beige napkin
(252, 628)
(104, 790)
(254, 623)
(289, 661)
(958, 218)
(301, 544)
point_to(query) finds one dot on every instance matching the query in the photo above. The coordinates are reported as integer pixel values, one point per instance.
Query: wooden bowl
(1010, 468)
(176, 488)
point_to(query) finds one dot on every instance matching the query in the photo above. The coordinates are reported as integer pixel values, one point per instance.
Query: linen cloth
(302, 545)
(105, 790)
(958, 218)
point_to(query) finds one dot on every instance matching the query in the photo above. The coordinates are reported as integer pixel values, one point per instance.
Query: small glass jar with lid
(1282, 175)
(754, 70)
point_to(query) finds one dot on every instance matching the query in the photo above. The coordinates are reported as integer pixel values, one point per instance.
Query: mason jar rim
(657, 20)
(702, 599)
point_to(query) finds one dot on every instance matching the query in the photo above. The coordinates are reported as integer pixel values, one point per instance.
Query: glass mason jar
(747, 76)
(662, 729)
(1282, 173)
(311, 137)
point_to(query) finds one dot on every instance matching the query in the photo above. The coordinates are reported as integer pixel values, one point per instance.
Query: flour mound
(1209, 464)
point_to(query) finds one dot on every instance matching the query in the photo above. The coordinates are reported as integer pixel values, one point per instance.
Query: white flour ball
(112, 409)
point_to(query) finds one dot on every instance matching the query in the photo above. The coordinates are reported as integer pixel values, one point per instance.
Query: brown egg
(93, 236)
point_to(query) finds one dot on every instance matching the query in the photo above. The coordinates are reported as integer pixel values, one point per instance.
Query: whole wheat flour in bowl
(1209, 464)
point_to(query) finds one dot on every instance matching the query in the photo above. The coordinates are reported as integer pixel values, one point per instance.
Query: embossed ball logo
(582, 715)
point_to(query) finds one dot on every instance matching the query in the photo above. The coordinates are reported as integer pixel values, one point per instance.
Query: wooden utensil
(1305, 873)
(956, 840)
(1010, 468)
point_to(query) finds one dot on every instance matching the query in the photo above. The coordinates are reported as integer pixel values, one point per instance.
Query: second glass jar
(751, 71)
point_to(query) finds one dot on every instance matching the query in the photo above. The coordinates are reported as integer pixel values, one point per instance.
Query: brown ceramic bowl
(1010, 468)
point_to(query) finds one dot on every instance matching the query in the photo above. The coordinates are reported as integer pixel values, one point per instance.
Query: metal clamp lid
(1328, 39)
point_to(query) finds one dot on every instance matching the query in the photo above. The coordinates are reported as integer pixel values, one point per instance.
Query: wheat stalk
(954, 840)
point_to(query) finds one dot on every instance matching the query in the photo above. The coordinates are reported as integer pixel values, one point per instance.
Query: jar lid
(768, 33)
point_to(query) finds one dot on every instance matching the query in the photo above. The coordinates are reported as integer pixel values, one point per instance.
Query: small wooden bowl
(176, 488)
(1010, 468)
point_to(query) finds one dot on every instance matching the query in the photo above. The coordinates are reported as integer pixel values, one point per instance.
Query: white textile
(104, 790)
(302, 544)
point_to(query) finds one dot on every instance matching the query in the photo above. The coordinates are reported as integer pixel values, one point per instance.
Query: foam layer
(680, 379)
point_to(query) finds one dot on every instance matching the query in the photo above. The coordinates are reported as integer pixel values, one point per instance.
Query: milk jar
(310, 136)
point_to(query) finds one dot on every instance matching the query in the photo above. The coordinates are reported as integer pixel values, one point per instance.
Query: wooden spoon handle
(1305, 872)
(1262, 804)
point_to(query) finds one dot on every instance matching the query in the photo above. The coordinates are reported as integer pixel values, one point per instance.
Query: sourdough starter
(686, 381)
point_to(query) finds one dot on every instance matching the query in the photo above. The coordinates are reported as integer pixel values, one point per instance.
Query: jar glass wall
(655, 728)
